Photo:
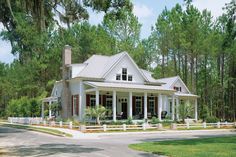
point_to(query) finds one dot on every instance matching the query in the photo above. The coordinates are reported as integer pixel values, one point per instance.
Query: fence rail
(123, 127)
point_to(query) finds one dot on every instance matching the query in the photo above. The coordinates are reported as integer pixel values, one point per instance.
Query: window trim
(152, 99)
(108, 99)
(138, 99)
(124, 73)
(92, 98)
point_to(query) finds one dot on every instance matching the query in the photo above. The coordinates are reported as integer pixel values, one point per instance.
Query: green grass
(43, 130)
(2, 152)
(205, 147)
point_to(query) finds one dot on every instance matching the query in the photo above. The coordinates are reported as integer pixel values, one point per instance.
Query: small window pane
(130, 78)
(124, 74)
(117, 76)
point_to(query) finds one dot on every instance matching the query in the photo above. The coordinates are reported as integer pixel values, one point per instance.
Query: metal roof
(142, 87)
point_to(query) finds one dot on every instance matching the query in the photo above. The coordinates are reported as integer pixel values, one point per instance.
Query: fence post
(234, 124)
(70, 125)
(44, 123)
(204, 125)
(144, 126)
(218, 125)
(159, 126)
(53, 123)
(82, 128)
(187, 125)
(11, 120)
(173, 126)
(104, 127)
(124, 127)
(60, 124)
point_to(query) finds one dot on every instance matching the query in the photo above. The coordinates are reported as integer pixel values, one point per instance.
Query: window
(124, 74)
(138, 105)
(117, 76)
(151, 105)
(177, 89)
(92, 101)
(108, 102)
(130, 78)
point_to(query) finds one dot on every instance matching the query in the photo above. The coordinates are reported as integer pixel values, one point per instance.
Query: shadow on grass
(49, 149)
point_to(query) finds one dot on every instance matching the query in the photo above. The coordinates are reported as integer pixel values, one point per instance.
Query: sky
(147, 12)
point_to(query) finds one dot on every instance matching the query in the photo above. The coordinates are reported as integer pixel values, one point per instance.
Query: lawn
(205, 147)
(43, 130)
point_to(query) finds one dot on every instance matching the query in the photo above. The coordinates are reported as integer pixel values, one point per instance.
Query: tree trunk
(163, 62)
(175, 64)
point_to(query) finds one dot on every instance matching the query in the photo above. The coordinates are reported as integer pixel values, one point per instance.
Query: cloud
(142, 11)
(215, 6)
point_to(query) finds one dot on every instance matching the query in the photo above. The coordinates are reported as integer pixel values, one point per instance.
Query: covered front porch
(136, 101)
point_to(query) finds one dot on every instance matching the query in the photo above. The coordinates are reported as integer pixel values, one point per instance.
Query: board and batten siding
(178, 83)
(131, 70)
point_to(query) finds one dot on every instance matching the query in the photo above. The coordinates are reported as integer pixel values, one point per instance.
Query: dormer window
(177, 89)
(130, 78)
(124, 74)
(117, 76)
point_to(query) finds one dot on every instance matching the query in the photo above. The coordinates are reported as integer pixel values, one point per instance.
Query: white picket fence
(205, 125)
(25, 120)
(158, 126)
(123, 127)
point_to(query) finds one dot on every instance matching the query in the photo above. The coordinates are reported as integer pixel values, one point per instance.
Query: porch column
(145, 105)
(167, 105)
(177, 108)
(130, 104)
(50, 111)
(159, 106)
(81, 104)
(173, 107)
(42, 112)
(114, 105)
(97, 97)
(196, 109)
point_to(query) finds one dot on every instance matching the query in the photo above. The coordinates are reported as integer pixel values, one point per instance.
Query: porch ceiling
(48, 99)
(129, 87)
(186, 96)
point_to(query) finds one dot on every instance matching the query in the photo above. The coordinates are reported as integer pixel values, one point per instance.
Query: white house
(120, 85)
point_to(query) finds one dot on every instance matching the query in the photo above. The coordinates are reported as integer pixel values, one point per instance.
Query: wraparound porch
(137, 102)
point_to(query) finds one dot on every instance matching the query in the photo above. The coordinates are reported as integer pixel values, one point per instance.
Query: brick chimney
(66, 94)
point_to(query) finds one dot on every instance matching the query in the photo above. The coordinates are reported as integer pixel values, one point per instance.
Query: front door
(124, 110)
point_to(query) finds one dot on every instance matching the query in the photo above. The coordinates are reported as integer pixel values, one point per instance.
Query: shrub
(154, 120)
(24, 107)
(116, 122)
(99, 112)
(129, 121)
(212, 119)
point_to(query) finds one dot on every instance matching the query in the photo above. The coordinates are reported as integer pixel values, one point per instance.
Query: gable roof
(170, 81)
(123, 54)
(99, 66)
